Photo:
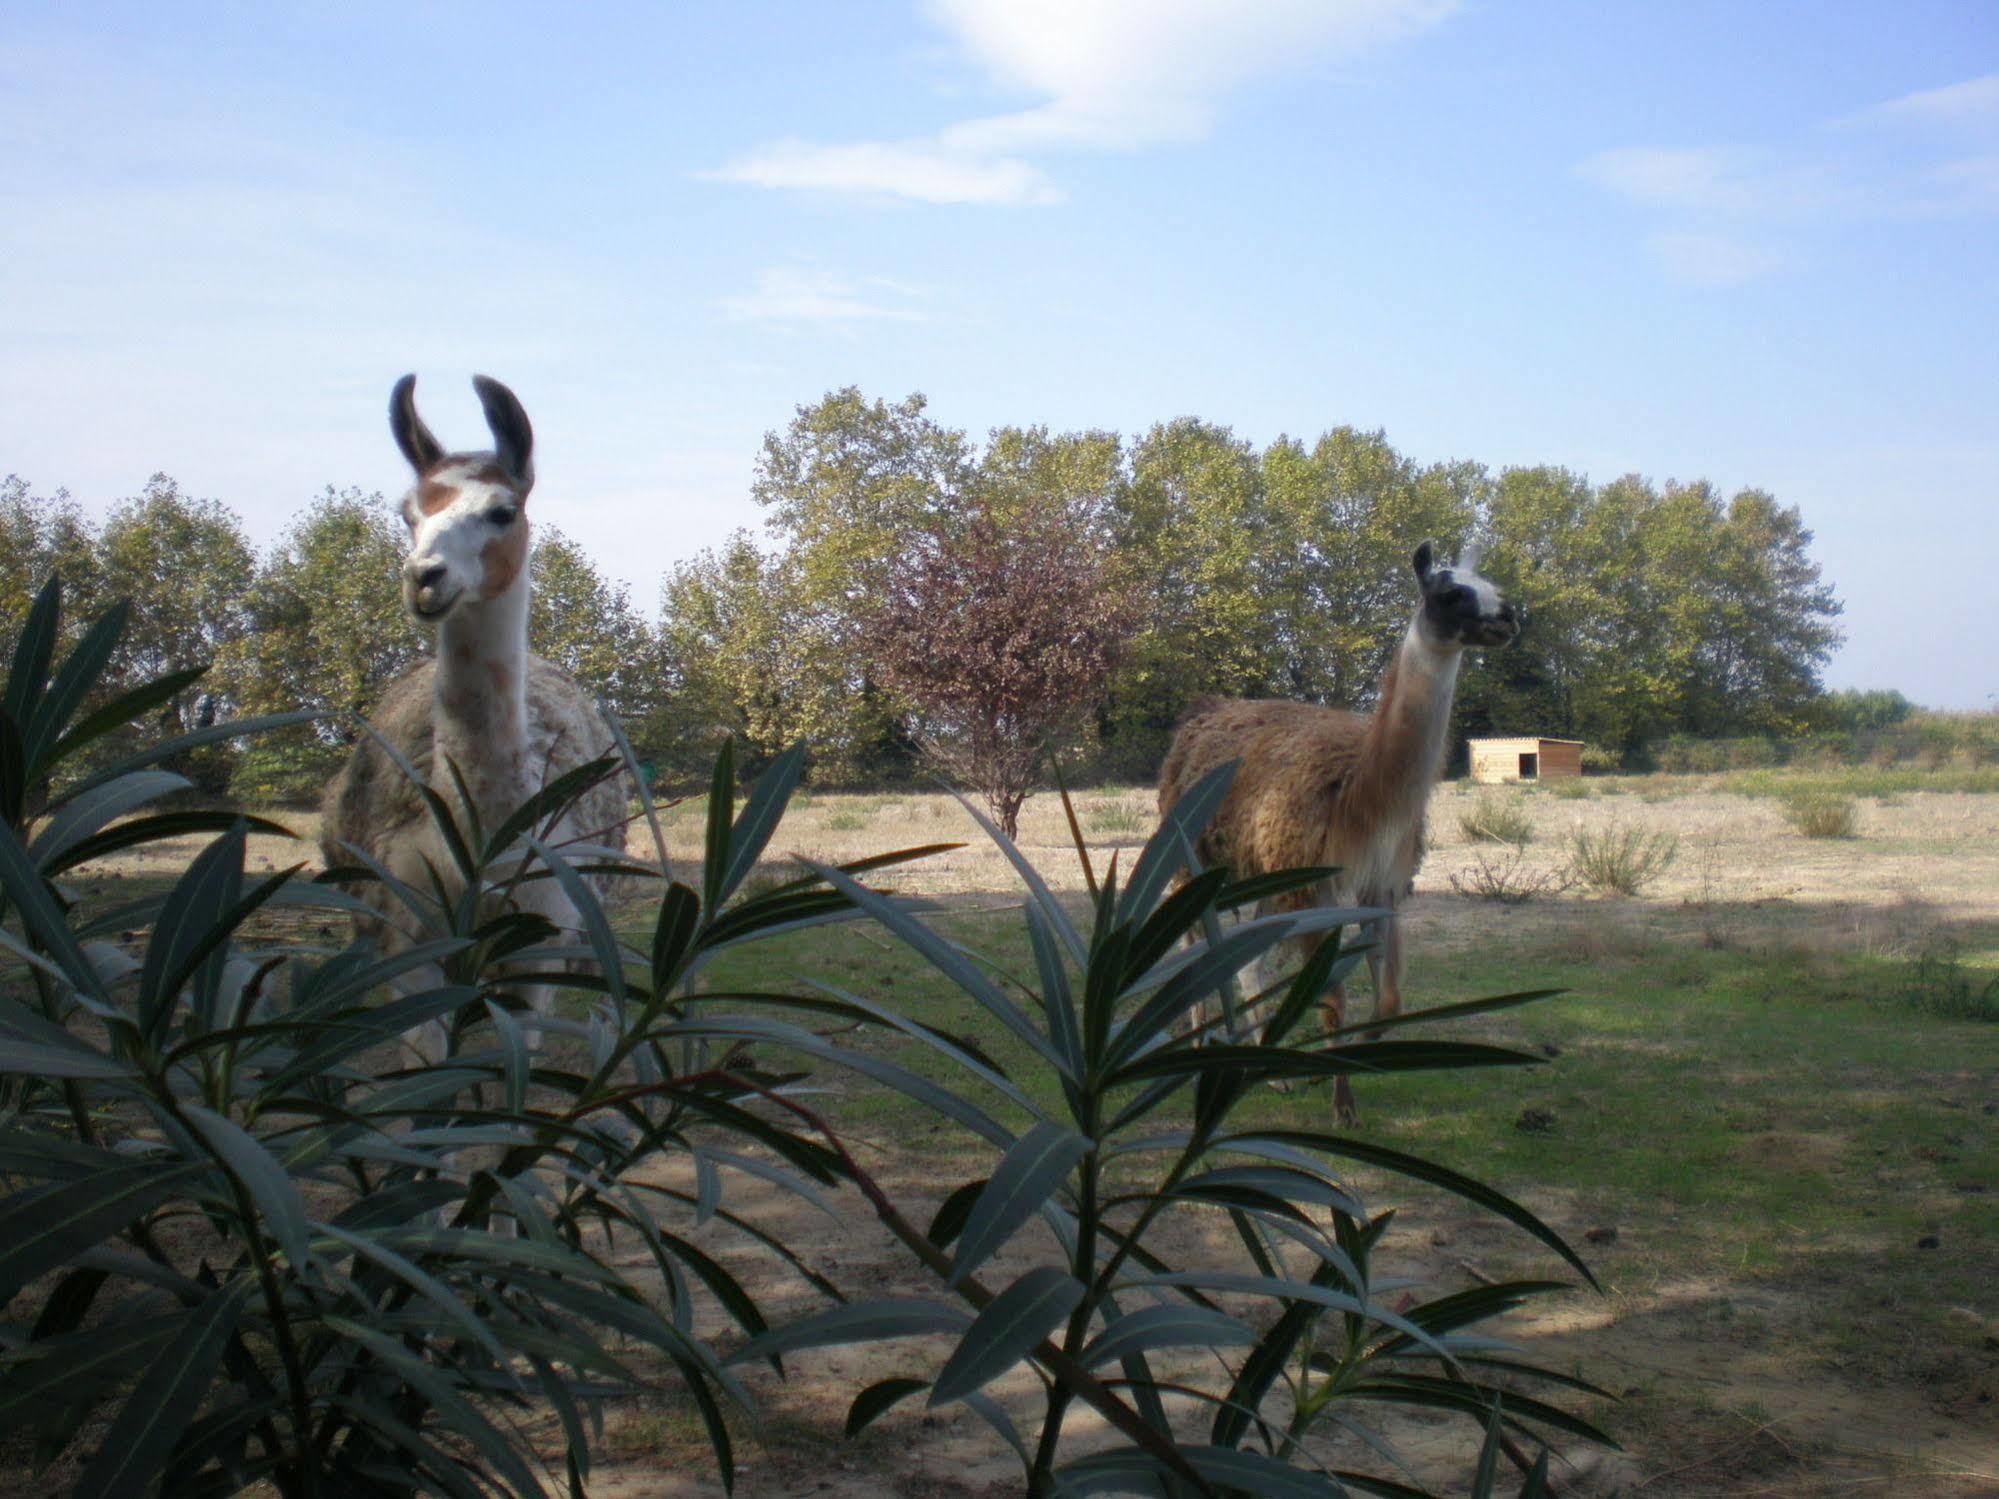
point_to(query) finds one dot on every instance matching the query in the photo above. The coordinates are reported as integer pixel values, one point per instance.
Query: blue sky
(1751, 242)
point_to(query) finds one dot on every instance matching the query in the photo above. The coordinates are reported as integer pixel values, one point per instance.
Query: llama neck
(1403, 752)
(479, 710)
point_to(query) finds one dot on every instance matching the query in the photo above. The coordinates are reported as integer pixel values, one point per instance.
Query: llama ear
(513, 438)
(1421, 562)
(412, 436)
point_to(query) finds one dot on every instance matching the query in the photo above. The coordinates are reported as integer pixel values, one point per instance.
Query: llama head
(1461, 608)
(467, 512)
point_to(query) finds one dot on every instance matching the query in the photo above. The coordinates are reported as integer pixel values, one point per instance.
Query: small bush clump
(1619, 859)
(1822, 814)
(847, 820)
(1507, 879)
(1496, 819)
(1115, 817)
(1601, 760)
(1938, 985)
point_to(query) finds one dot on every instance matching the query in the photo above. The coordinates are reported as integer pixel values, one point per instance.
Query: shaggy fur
(372, 804)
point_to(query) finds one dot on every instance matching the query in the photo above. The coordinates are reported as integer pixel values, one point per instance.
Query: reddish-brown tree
(999, 628)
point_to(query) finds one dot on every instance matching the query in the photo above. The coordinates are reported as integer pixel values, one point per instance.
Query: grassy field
(1769, 1116)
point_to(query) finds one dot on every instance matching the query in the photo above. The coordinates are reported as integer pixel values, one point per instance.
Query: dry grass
(1496, 819)
(1620, 859)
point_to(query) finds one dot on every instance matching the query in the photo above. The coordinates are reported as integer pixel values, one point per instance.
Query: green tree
(841, 486)
(1190, 523)
(187, 567)
(588, 627)
(745, 659)
(40, 535)
(327, 630)
(1344, 520)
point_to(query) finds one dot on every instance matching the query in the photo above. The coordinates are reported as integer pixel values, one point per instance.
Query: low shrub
(1601, 760)
(1115, 816)
(1937, 984)
(1822, 814)
(1620, 858)
(1496, 819)
(1509, 879)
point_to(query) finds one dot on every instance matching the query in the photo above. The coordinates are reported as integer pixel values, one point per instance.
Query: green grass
(1778, 1118)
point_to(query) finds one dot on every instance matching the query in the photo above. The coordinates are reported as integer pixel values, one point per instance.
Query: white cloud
(1972, 102)
(1728, 180)
(1111, 74)
(912, 169)
(792, 294)
(1704, 197)
(1714, 259)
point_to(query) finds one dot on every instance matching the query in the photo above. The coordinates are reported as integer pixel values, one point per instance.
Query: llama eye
(501, 515)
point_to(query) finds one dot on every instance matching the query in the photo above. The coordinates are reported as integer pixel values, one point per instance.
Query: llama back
(1281, 805)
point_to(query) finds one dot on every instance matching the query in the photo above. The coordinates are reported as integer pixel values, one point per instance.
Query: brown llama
(1324, 786)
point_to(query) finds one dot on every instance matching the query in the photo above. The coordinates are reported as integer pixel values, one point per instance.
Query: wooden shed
(1525, 758)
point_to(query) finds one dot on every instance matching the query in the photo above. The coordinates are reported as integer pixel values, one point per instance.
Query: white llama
(510, 722)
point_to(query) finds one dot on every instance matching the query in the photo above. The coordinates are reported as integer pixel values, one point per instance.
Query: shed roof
(1523, 739)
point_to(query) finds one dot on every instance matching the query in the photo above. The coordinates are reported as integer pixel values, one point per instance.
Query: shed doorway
(1530, 767)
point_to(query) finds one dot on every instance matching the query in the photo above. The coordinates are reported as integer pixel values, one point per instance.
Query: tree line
(1204, 564)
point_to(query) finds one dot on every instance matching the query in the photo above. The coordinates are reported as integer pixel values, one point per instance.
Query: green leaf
(1453, 1011)
(856, 1322)
(43, 1228)
(155, 829)
(1179, 829)
(673, 934)
(72, 683)
(165, 1400)
(259, 1171)
(877, 1399)
(188, 923)
(41, 917)
(721, 804)
(1170, 1326)
(945, 958)
(78, 1368)
(1029, 1174)
(13, 772)
(454, 1411)
(549, 802)
(1421, 1170)
(590, 911)
(761, 812)
(426, 1285)
(1011, 1324)
(1041, 899)
(121, 710)
(951, 1214)
(25, 1059)
(180, 744)
(77, 817)
(33, 650)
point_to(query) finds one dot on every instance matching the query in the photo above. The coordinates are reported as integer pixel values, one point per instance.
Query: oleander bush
(248, 1242)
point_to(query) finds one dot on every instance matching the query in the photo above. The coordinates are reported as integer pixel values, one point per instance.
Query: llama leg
(1384, 965)
(1332, 1015)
